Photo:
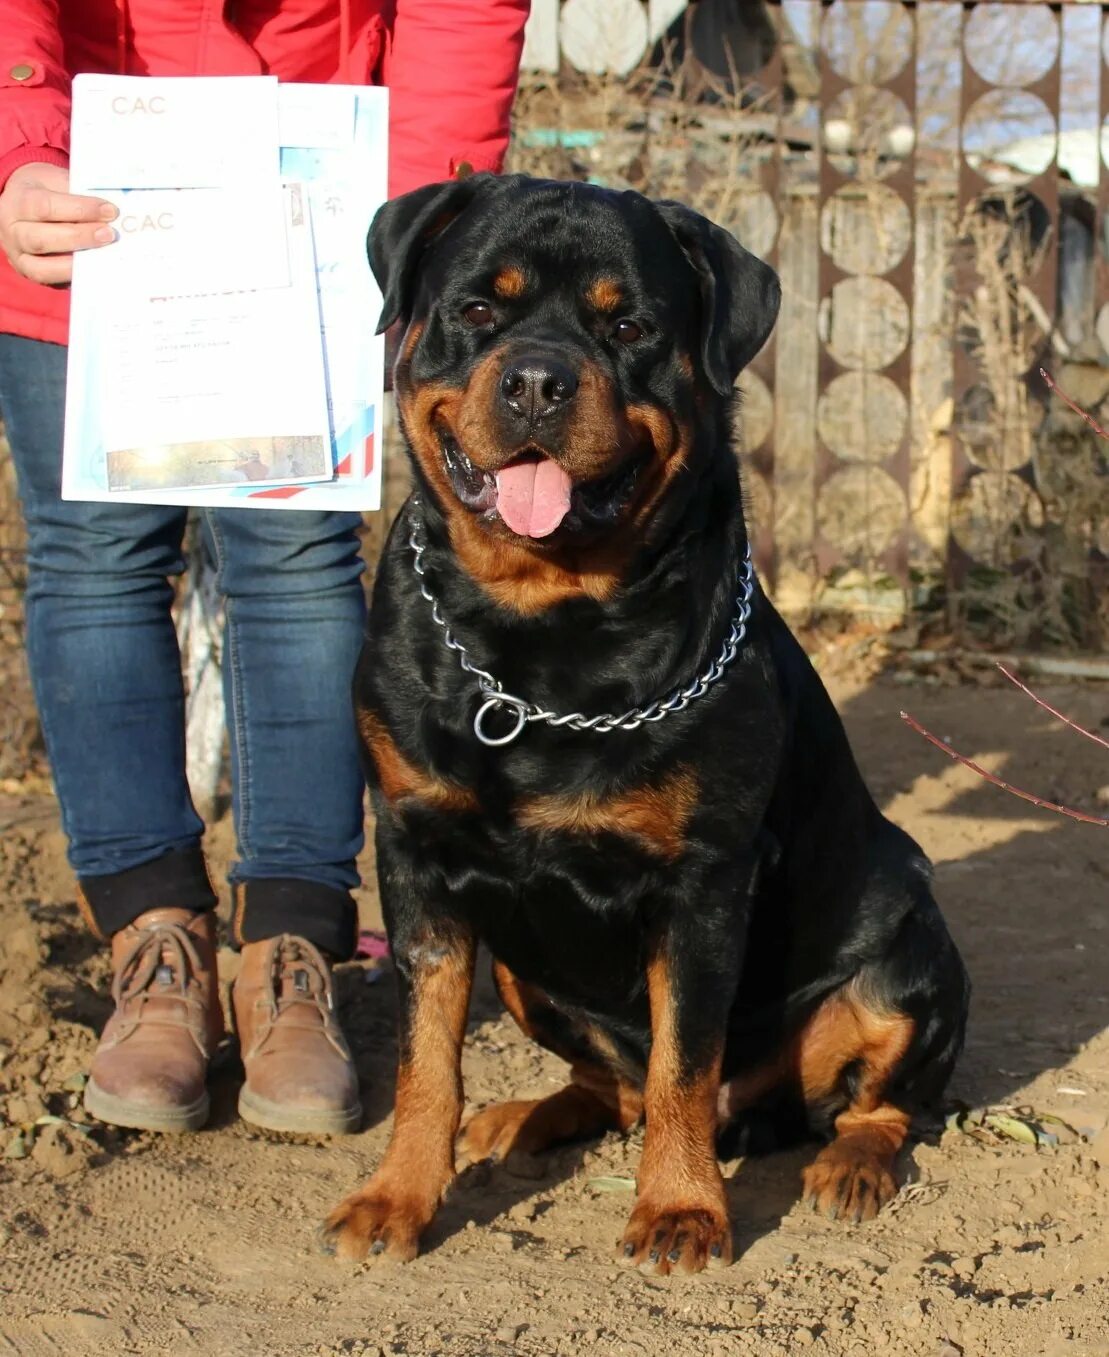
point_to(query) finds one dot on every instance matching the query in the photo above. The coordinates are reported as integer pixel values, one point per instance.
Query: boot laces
(161, 963)
(299, 978)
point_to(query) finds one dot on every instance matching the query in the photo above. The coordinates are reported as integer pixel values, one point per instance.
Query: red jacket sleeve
(452, 70)
(34, 86)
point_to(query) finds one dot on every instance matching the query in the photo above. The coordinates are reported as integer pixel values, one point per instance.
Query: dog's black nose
(536, 387)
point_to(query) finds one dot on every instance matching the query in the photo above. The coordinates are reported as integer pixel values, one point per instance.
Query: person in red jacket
(100, 638)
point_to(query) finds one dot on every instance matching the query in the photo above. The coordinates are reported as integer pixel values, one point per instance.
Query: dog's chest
(557, 886)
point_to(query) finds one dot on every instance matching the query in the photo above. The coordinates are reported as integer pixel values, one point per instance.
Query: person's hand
(42, 223)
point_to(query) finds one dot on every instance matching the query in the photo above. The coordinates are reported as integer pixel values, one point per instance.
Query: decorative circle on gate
(603, 36)
(864, 323)
(866, 228)
(1102, 326)
(868, 132)
(997, 439)
(861, 511)
(1009, 136)
(867, 41)
(994, 518)
(1000, 53)
(862, 416)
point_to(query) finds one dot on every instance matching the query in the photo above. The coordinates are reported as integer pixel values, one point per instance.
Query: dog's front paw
(849, 1182)
(676, 1239)
(378, 1222)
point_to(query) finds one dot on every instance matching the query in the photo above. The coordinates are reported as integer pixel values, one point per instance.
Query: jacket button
(463, 170)
(22, 72)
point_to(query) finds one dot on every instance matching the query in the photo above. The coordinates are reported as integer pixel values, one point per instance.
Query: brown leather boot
(150, 1066)
(299, 1072)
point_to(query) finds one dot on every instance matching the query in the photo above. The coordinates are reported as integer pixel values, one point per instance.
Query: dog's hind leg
(875, 1051)
(847, 1042)
(597, 1098)
(593, 1102)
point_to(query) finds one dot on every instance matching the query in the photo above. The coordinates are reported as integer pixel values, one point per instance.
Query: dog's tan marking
(392, 1210)
(853, 1176)
(510, 283)
(597, 1098)
(519, 576)
(680, 1219)
(605, 294)
(656, 816)
(411, 339)
(401, 780)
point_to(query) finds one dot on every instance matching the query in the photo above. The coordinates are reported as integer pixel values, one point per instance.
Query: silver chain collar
(496, 698)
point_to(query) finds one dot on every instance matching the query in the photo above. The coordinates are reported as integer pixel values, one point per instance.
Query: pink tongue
(533, 497)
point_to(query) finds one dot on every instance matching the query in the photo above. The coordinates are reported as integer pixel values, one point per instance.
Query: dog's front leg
(435, 967)
(680, 1221)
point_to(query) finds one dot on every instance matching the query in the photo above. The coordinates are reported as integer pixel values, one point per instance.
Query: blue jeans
(107, 677)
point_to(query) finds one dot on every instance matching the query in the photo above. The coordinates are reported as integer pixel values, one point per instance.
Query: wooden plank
(541, 38)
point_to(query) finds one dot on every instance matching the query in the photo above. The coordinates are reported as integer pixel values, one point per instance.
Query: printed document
(222, 348)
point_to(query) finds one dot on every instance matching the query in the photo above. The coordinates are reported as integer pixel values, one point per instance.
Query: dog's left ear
(404, 228)
(740, 295)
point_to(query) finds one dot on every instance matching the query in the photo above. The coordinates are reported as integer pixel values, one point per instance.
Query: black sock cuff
(266, 907)
(176, 880)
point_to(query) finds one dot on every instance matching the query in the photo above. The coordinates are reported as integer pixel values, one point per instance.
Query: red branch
(1089, 734)
(1078, 410)
(997, 782)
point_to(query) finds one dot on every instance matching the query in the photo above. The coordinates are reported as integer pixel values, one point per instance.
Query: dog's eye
(478, 314)
(627, 331)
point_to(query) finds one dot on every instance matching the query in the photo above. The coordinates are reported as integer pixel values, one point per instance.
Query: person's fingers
(53, 269)
(34, 237)
(40, 204)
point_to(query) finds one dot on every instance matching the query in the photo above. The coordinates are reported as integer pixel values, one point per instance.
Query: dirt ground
(117, 1242)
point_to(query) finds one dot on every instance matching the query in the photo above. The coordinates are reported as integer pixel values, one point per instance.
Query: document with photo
(184, 390)
(222, 349)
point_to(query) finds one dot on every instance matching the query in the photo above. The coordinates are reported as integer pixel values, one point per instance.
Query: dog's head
(563, 344)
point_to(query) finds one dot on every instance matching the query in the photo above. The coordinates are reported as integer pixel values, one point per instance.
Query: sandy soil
(117, 1243)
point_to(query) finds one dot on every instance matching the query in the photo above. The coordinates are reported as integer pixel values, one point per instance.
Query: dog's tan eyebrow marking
(510, 282)
(657, 816)
(604, 294)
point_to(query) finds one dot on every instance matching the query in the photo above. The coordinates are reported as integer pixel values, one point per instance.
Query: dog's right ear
(402, 230)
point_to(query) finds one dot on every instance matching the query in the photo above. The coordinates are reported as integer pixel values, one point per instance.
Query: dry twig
(1089, 734)
(998, 782)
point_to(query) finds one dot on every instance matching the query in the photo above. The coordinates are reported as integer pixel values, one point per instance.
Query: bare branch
(997, 782)
(1089, 734)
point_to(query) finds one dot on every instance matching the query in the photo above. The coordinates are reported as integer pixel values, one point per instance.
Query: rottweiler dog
(594, 746)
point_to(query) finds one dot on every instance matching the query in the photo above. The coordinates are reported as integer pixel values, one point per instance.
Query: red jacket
(451, 68)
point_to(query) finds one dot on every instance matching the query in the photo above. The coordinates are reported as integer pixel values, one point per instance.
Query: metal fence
(930, 181)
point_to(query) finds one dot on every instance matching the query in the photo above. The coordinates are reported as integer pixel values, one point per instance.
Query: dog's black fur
(707, 915)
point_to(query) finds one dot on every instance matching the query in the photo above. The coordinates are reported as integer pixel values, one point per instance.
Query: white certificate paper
(222, 349)
(131, 131)
(199, 389)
